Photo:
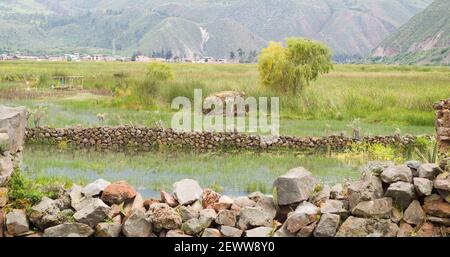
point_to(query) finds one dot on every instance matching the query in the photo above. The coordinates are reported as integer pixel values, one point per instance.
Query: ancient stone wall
(443, 124)
(142, 137)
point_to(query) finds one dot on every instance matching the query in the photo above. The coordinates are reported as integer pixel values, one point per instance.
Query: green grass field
(379, 99)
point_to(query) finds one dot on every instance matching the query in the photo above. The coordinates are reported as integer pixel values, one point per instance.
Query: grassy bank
(378, 99)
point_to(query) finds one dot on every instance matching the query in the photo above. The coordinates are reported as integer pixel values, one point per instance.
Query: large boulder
(397, 173)
(46, 214)
(164, 217)
(423, 186)
(93, 213)
(6, 169)
(327, 225)
(378, 208)
(429, 170)
(13, 120)
(366, 189)
(69, 230)
(137, 225)
(294, 186)
(187, 191)
(17, 222)
(254, 217)
(402, 194)
(414, 214)
(95, 188)
(118, 192)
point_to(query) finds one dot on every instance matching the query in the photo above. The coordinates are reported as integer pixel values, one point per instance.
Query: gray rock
(226, 218)
(327, 225)
(259, 232)
(17, 222)
(334, 207)
(46, 214)
(396, 215)
(6, 169)
(211, 232)
(105, 229)
(228, 231)
(336, 191)
(283, 231)
(423, 186)
(429, 170)
(95, 188)
(187, 191)
(307, 231)
(255, 196)
(75, 196)
(69, 230)
(294, 186)
(137, 225)
(187, 212)
(164, 217)
(192, 227)
(93, 213)
(438, 220)
(397, 173)
(63, 202)
(402, 194)
(442, 184)
(366, 189)
(321, 196)
(267, 204)
(4, 142)
(414, 166)
(244, 201)
(414, 214)
(307, 208)
(298, 220)
(14, 121)
(378, 208)
(254, 217)
(206, 217)
(377, 167)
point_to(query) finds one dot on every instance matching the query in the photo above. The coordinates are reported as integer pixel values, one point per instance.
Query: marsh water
(235, 173)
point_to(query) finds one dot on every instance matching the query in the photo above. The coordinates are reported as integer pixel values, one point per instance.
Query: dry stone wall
(145, 138)
(443, 124)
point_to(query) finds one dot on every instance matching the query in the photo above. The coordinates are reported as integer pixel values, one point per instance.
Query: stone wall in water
(143, 137)
(443, 124)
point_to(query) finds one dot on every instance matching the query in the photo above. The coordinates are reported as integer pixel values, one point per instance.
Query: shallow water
(231, 173)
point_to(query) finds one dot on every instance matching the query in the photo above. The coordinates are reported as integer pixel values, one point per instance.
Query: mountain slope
(198, 27)
(425, 39)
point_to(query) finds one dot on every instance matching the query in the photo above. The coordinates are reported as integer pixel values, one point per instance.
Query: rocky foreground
(388, 201)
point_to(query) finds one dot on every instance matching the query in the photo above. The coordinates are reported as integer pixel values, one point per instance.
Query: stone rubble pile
(146, 138)
(388, 201)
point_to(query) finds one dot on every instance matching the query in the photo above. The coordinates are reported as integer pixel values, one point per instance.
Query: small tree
(292, 67)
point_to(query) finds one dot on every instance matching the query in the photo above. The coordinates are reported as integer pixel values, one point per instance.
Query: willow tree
(291, 68)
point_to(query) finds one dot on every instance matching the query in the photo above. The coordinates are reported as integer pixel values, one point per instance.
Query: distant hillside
(197, 27)
(425, 39)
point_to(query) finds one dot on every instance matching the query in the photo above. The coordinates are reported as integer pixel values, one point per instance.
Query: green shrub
(160, 72)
